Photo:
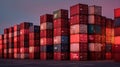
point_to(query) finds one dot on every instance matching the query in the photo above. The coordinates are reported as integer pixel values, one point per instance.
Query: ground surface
(51, 63)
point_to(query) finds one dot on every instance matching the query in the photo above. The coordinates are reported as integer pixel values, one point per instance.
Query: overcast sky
(16, 11)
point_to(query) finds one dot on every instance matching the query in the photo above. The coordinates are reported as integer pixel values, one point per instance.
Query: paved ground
(38, 63)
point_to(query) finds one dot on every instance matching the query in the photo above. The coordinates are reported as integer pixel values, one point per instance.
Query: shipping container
(116, 31)
(61, 31)
(34, 29)
(108, 47)
(103, 20)
(34, 49)
(95, 10)
(61, 55)
(61, 13)
(34, 55)
(109, 23)
(34, 42)
(79, 9)
(79, 47)
(47, 25)
(46, 48)
(78, 28)
(95, 56)
(46, 41)
(117, 22)
(61, 40)
(94, 29)
(117, 40)
(117, 57)
(16, 27)
(34, 36)
(78, 19)
(46, 56)
(94, 19)
(61, 22)
(108, 56)
(61, 48)
(95, 47)
(77, 38)
(116, 48)
(117, 13)
(25, 25)
(46, 18)
(46, 33)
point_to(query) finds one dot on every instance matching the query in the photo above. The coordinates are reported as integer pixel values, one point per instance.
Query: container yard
(86, 36)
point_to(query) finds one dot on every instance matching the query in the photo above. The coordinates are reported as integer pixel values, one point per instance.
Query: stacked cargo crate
(116, 46)
(1, 45)
(109, 39)
(11, 43)
(16, 41)
(103, 36)
(6, 42)
(24, 39)
(34, 42)
(61, 35)
(78, 32)
(46, 37)
(94, 31)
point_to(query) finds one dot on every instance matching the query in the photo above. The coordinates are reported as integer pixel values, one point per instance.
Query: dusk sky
(16, 11)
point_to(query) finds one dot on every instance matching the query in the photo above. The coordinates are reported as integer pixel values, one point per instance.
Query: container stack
(103, 36)
(116, 46)
(11, 43)
(94, 31)
(61, 35)
(16, 41)
(1, 45)
(109, 39)
(6, 42)
(24, 39)
(46, 37)
(34, 42)
(78, 32)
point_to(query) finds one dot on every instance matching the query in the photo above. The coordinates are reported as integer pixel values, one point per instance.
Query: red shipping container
(116, 31)
(46, 18)
(61, 32)
(46, 56)
(34, 55)
(25, 25)
(117, 13)
(16, 27)
(95, 10)
(34, 42)
(34, 36)
(44, 33)
(109, 23)
(33, 49)
(47, 25)
(95, 56)
(6, 31)
(24, 50)
(78, 38)
(24, 55)
(16, 50)
(116, 48)
(24, 31)
(46, 41)
(78, 19)
(78, 47)
(64, 23)
(61, 56)
(16, 39)
(108, 56)
(1, 36)
(16, 33)
(94, 19)
(75, 56)
(78, 9)
(24, 37)
(117, 57)
(117, 40)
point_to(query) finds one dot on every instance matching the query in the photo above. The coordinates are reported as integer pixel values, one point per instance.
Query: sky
(16, 11)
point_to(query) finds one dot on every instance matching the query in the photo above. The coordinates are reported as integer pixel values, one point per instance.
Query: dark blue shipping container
(65, 39)
(108, 47)
(46, 48)
(91, 29)
(117, 22)
(61, 48)
(34, 28)
(94, 29)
